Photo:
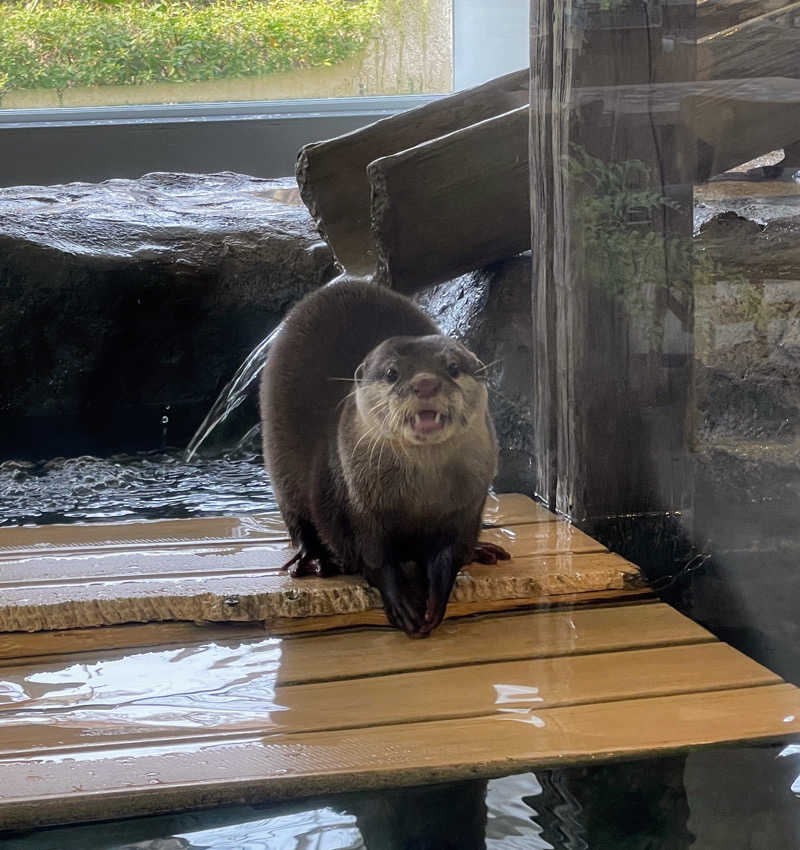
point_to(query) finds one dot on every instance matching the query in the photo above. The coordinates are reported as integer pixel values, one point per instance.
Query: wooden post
(611, 214)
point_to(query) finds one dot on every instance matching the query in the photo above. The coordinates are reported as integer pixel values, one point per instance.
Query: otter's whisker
(518, 407)
(349, 395)
(361, 439)
(488, 365)
(373, 447)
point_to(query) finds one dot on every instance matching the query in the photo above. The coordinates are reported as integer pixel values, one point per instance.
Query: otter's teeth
(417, 419)
(438, 418)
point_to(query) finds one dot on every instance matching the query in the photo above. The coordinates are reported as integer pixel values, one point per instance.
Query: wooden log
(471, 183)
(332, 174)
(735, 121)
(764, 45)
(456, 203)
(714, 16)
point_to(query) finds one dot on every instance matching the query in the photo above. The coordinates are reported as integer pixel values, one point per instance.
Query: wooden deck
(130, 718)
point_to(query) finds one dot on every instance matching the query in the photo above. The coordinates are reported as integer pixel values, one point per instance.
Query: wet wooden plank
(514, 509)
(266, 595)
(135, 535)
(293, 626)
(47, 644)
(83, 579)
(491, 638)
(31, 540)
(171, 696)
(120, 781)
(340, 654)
(154, 562)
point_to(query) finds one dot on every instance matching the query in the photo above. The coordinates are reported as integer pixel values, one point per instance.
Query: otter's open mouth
(428, 421)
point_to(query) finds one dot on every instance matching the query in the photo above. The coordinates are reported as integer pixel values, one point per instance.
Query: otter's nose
(426, 386)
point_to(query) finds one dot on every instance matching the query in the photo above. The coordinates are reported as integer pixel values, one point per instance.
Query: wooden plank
(176, 696)
(291, 626)
(232, 559)
(241, 579)
(322, 657)
(38, 645)
(82, 538)
(491, 638)
(115, 782)
(514, 509)
(141, 534)
(264, 595)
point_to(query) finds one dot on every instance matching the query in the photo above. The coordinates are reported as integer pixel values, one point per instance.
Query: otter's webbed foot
(306, 564)
(403, 607)
(441, 571)
(415, 595)
(489, 553)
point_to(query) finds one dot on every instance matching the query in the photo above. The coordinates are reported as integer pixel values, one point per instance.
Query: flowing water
(233, 394)
(240, 385)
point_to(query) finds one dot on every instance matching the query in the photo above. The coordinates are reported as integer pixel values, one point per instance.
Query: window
(331, 74)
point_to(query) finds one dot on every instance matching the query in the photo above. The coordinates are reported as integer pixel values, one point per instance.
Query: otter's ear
(359, 374)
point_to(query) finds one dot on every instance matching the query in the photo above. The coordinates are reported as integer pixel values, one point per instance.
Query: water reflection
(318, 829)
(653, 805)
(142, 694)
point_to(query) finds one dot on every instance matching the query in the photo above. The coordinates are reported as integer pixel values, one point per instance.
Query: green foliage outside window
(58, 44)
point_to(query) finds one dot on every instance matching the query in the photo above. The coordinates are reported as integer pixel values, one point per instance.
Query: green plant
(617, 210)
(63, 43)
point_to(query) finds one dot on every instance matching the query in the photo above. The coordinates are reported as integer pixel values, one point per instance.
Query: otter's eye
(453, 370)
(391, 375)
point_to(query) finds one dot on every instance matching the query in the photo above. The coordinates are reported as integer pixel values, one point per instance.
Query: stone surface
(747, 347)
(131, 301)
(489, 310)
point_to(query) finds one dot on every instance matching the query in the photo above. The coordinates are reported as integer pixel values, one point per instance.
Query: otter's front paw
(489, 553)
(304, 564)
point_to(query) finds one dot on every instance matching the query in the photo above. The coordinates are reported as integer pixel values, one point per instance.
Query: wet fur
(354, 495)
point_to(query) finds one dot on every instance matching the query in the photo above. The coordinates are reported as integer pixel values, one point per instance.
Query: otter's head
(420, 390)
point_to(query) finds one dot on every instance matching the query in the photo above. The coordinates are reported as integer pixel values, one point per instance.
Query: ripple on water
(144, 486)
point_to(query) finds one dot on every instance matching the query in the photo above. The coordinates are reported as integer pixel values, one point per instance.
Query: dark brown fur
(359, 489)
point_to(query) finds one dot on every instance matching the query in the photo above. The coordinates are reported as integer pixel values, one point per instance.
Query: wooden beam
(762, 45)
(456, 203)
(332, 175)
(464, 164)
(737, 120)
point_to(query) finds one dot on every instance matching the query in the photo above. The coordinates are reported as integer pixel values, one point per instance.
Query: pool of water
(151, 485)
(664, 804)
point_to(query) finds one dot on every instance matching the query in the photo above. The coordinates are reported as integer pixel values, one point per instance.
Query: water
(654, 805)
(233, 394)
(150, 485)
(237, 389)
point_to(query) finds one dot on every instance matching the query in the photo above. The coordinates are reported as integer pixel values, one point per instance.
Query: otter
(380, 447)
